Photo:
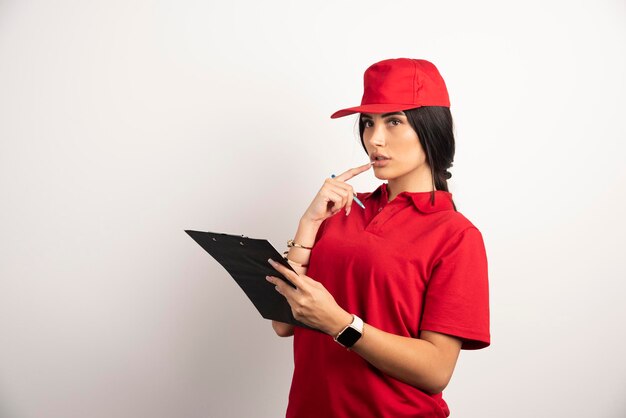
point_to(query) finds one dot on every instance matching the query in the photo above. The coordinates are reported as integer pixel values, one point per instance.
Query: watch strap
(348, 336)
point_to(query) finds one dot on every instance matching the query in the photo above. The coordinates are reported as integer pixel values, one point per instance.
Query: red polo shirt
(402, 266)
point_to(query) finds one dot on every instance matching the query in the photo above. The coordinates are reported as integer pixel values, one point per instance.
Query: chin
(382, 174)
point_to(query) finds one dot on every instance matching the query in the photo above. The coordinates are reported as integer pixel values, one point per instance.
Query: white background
(122, 123)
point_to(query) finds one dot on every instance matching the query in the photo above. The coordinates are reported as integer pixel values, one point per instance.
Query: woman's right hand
(333, 196)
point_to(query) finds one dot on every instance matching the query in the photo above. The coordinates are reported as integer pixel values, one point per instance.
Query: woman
(399, 288)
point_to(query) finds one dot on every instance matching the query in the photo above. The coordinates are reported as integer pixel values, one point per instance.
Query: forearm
(411, 360)
(305, 235)
(282, 329)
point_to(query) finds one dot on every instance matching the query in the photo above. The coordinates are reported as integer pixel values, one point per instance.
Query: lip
(380, 163)
(376, 155)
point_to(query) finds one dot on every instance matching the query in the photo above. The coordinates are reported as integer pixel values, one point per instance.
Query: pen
(356, 199)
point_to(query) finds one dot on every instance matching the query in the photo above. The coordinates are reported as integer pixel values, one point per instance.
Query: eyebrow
(384, 115)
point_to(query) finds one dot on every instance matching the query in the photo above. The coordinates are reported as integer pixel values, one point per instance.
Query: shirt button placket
(378, 217)
(375, 221)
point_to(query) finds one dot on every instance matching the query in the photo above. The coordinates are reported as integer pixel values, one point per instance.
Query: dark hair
(434, 128)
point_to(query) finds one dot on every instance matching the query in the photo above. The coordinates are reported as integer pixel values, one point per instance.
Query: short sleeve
(457, 295)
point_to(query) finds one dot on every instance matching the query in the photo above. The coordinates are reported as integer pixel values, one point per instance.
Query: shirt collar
(421, 200)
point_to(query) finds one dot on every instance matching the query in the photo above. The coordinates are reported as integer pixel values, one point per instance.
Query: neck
(419, 180)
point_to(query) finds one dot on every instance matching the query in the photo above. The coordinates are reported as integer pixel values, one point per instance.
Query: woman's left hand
(310, 302)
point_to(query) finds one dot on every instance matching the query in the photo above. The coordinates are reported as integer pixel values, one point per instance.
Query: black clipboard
(245, 259)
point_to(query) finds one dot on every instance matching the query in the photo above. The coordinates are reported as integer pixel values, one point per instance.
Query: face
(389, 135)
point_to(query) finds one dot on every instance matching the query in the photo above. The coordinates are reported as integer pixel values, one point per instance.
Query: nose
(376, 135)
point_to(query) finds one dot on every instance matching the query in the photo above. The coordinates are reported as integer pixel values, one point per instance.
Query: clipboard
(245, 259)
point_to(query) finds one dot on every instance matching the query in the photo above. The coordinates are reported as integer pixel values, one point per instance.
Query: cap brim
(373, 108)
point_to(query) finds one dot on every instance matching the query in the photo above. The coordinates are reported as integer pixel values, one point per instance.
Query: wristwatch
(351, 333)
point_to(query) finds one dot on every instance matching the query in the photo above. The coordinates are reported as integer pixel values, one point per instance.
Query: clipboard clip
(243, 236)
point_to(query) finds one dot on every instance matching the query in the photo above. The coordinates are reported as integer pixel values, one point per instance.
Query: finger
(308, 280)
(344, 193)
(347, 191)
(281, 287)
(347, 175)
(342, 189)
(280, 281)
(349, 204)
(336, 198)
(342, 186)
(289, 275)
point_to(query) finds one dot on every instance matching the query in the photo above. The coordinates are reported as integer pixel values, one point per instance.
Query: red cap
(400, 84)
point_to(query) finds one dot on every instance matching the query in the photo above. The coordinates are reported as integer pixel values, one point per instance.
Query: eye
(395, 122)
(367, 123)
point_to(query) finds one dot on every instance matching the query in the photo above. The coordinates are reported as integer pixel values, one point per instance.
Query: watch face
(349, 336)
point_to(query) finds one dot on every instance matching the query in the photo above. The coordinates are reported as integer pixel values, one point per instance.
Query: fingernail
(270, 261)
(268, 279)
